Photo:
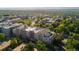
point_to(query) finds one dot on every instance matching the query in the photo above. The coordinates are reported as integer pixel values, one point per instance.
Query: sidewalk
(20, 47)
(4, 45)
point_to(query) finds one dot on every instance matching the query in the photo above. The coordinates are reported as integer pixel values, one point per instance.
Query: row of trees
(39, 45)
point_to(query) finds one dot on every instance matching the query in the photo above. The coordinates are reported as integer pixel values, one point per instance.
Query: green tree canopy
(2, 37)
(72, 45)
(41, 45)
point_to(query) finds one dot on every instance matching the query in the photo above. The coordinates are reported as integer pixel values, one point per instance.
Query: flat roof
(35, 29)
(9, 25)
(13, 25)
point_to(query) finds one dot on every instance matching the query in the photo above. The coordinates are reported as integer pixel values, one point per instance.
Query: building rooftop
(34, 29)
(13, 20)
(12, 25)
(9, 25)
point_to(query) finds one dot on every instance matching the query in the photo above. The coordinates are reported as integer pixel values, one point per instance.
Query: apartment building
(13, 20)
(34, 33)
(7, 29)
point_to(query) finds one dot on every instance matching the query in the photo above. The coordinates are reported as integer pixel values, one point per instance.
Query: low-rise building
(13, 20)
(47, 21)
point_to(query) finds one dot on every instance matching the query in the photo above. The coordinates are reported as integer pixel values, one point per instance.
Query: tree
(55, 24)
(74, 36)
(40, 45)
(37, 25)
(50, 27)
(28, 22)
(29, 46)
(15, 41)
(60, 28)
(71, 27)
(72, 45)
(2, 37)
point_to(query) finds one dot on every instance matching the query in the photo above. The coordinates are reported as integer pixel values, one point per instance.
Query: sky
(39, 3)
(36, 8)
